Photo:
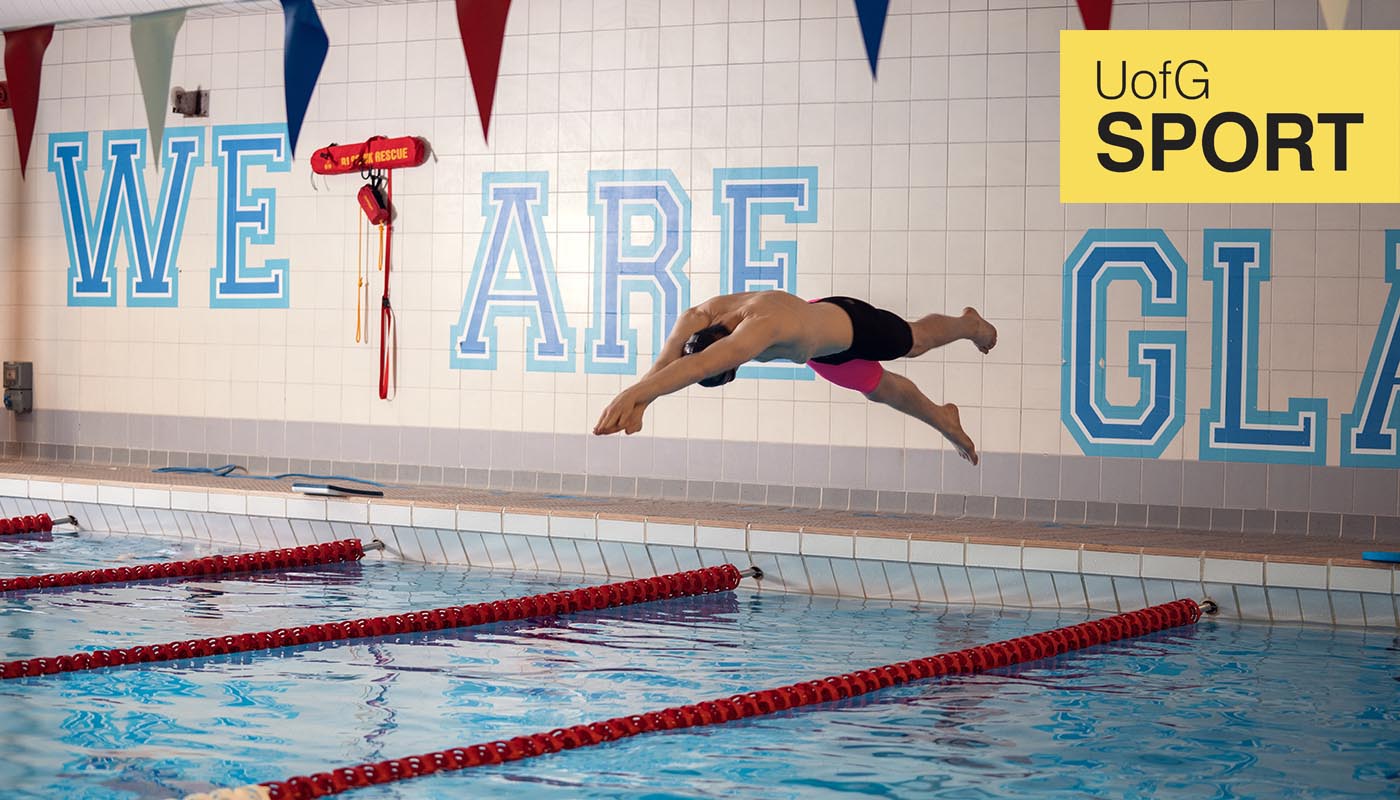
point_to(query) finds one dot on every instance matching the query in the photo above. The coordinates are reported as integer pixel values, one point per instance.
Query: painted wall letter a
(1371, 432)
(514, 204)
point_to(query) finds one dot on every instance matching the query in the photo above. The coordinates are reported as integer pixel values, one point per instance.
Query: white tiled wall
(938, 189)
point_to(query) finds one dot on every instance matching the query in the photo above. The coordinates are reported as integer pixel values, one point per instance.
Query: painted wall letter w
(123, 209)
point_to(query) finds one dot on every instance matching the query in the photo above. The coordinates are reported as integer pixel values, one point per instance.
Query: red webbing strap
(386, 312)
(589, 598)
(304, 556)
(972, 660)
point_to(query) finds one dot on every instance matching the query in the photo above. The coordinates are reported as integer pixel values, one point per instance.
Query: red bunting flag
(24, 60)
(482, 24)
(1096, 14)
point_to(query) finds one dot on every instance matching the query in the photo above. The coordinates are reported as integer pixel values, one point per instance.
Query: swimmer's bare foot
(952, 429)
(984, 333)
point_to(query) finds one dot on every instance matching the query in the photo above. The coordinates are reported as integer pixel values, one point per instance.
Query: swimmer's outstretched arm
(750, 338)
(692, 320)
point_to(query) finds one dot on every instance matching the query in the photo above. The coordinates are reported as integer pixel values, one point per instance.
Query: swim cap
(704, 338)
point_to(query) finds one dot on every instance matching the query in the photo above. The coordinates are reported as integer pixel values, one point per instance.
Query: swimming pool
(1218, 709)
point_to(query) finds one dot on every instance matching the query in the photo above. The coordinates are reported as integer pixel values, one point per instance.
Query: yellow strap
(381, 247)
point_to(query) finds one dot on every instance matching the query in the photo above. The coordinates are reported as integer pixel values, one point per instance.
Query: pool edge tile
(672, 533)
(524, 523)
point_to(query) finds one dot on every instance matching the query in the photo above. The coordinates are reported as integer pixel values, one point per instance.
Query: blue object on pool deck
(228, 469)
(1382, 555)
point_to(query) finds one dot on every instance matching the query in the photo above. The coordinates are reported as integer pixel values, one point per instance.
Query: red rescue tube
(379, 152)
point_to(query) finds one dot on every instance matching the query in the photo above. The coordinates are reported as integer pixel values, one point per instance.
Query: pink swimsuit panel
(858, 374)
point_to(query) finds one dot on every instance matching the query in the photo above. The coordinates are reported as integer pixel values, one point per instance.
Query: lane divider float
(33, 523)
(969, 661)
(208, 566)
(589, 598)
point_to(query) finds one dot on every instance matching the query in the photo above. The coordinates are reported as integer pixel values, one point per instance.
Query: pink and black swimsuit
(876, 335)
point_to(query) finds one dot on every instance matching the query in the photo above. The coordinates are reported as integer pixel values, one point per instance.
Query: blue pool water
(1219, 710)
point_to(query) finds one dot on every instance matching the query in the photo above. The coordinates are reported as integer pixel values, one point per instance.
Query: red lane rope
(304, 556)
(589, 598)
(38, 523)
(768, 701)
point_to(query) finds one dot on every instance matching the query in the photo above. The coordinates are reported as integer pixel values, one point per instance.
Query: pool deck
(1319, 550)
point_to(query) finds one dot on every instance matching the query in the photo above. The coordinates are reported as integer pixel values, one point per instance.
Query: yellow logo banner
(1230, 116)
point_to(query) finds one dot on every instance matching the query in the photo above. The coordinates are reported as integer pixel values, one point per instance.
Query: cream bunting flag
(1334, 13)
(153, 45)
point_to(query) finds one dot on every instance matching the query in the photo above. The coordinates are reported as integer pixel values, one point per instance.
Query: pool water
(1220, 709)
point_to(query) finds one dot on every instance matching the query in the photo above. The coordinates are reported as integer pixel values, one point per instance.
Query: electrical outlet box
(19, 386)
(20, 401)
(19, 375)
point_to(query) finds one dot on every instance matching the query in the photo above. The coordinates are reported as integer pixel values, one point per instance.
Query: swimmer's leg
(900, 393)
(936, 330)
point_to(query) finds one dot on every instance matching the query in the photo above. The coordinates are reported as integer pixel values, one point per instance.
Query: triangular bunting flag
(1334, 13)
(24, 60)
(872, 27)
(482, 24)
(153, 45)
(1096, 14)
(303, 52)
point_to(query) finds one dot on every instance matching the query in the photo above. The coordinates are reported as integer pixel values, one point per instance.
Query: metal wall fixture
(189, 102)
(19, 386)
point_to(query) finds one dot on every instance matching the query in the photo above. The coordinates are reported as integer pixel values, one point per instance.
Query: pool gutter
(874, 557)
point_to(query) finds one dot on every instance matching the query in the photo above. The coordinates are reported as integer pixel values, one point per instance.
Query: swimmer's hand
(624, 413)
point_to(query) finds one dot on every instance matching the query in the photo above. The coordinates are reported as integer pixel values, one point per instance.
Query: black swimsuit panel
(876, 334)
